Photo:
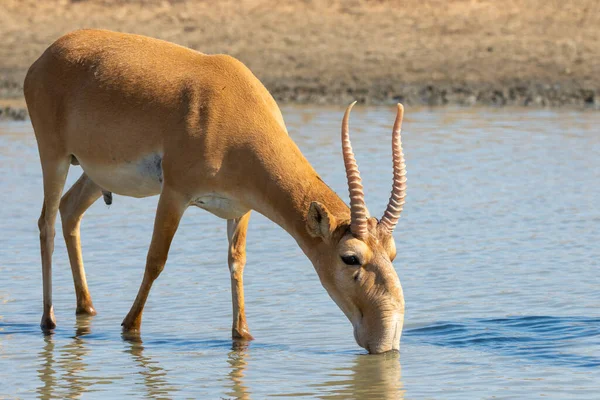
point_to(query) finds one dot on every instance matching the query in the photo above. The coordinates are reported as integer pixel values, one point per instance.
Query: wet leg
(55, 174)
(236, 232)
(171, 207)
(72, 207)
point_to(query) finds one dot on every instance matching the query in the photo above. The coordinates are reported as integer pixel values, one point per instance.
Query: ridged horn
(358, 209)
(394, 208)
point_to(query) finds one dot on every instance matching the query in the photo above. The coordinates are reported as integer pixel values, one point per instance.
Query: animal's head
(355, 257)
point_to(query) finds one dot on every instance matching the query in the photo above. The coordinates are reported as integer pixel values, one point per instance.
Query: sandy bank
(530, 53)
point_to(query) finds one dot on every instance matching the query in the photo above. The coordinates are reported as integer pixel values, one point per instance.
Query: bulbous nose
(382, 338)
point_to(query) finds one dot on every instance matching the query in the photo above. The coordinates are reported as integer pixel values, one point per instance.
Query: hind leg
(72, 207)
(55, 174)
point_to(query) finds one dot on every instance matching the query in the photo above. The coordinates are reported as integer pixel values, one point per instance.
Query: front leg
(236, 232)
(171, 206)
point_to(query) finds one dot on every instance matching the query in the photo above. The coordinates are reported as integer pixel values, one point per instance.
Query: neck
(285, 187)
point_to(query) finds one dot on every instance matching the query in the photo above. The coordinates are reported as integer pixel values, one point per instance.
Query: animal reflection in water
(376, 377)
(75, 379)
(70, 358)
(238, 360)
(64, 372)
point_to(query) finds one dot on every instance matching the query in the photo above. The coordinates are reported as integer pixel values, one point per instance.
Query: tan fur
(116, 102)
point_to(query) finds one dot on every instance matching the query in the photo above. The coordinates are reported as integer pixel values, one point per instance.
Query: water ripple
(501, 219)
(543, 338)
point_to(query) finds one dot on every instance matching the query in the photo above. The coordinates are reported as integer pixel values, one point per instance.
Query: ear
(319, 221)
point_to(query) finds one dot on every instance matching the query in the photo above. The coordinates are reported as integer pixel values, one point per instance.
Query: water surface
(498, 256)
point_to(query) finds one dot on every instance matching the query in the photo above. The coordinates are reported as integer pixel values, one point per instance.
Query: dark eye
(350, 260)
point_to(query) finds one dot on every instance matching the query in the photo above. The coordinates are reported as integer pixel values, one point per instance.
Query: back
(94, 82)
(116, 103)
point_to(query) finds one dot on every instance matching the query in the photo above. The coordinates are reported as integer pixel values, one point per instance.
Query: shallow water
(498, 257)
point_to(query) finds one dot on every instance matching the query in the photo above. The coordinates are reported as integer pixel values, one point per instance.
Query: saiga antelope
(144, 117)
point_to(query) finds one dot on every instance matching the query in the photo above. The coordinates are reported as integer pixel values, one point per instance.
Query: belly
(144, 178)
(221, 205)
(139, 178)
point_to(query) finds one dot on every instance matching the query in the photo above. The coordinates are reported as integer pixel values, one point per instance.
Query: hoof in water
(48, 323)
(132, 325)
(131, 336)
(243, 335)
(85, 310)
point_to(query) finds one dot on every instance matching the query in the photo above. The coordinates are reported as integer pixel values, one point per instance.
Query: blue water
(498, 257)
(550, 340)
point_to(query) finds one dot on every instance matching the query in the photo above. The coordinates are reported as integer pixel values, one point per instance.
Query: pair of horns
(358, 209)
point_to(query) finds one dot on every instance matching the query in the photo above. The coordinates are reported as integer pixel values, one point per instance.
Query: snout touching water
(380, 337)
(496, 253)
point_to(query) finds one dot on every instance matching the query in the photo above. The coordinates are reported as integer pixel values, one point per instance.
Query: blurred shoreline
(430, 52)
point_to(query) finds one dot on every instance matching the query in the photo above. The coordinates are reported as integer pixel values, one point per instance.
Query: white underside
(125, 180)
(143, 178)
(220, 205)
